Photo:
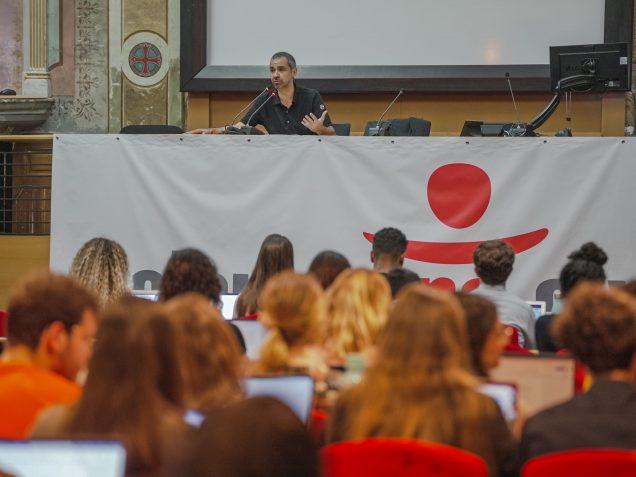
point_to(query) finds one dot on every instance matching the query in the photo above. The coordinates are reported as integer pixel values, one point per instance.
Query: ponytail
(275, 352)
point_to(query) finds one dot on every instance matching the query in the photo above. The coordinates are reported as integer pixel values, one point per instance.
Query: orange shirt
(25, 390)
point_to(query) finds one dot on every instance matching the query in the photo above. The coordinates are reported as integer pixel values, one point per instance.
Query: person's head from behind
(53, 320)
(208, 351)
(275, 255)
(133, 381)
(190, 270)
(282, 69)
(327, 265)
(586, 264)
(357, 308)
(260, 437)
(101, 265)
(493, 261)
(389, 247)
(487, 336)
(292, 307)
(598, 326)
(398, 278)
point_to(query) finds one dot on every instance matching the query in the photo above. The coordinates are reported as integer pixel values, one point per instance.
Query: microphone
(272, 94)
(266, 90)
(375, 131)
(518, 129)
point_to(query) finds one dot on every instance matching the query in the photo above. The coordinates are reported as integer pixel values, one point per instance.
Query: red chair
(390, 457)
(3, 324)
(513, 345)
(583, 463)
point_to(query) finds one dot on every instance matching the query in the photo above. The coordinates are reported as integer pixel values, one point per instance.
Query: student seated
(419, 385)
(327, 265)
(51, 325)
(388, 249)
(598, 326)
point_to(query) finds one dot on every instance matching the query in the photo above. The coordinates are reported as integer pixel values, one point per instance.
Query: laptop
(152, 295)
(538, 307)
(542, 380)
(254, 334)
(297, 392)
(227, 305)
(44, 458)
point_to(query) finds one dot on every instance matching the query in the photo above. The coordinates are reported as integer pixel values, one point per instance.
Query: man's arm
(317, 125)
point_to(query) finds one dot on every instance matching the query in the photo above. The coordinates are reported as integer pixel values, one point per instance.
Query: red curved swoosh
(456, 253)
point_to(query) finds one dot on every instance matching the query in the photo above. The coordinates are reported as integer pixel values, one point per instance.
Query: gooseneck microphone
(375, 131)
(266, 90)
(272, 94)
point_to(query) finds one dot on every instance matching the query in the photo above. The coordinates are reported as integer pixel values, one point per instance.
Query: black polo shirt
(278, 119)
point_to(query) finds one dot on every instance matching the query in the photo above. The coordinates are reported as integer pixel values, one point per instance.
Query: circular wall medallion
(145, 58)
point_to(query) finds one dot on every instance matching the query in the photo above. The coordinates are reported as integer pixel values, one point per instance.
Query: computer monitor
(297, 392)
(44, 458)
(609, 62)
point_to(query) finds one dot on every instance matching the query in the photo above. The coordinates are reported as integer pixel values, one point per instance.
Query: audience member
(101, 265)
(399, 278)
(293, 308)
(133, 392)
(598, 326)
(327, 265)
(387, 252)
(209, 355)
(192, 271)
(260, 437)
(420, 385)
(357, 308)
(51, 324)
(584, 264)
(493, 265)
(276, 254)
(487, 336)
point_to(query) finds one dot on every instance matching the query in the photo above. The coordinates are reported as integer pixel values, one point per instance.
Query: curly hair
(101, 265)
(190, 270)
(585, 263)
(598, 325)
(493, 261)
(389, 241)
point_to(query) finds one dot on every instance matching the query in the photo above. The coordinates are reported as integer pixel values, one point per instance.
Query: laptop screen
(297, 392)
(146, 295)
(227, 305)
(44, 458)
(538, 307)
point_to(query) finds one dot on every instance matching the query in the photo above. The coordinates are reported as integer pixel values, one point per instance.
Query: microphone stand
(376, 130)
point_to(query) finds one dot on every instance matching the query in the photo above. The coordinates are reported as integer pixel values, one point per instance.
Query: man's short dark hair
(400, 277)
(389, 241)
(190, 270)
(41, 299)
(291, 61)
(493, 261)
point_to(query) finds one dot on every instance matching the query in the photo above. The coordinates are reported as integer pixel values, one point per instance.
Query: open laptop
(297, 391)
(542, 380)
(44, 458)
(538, 307)
(152, 295)
(227, 305)
(254, 335)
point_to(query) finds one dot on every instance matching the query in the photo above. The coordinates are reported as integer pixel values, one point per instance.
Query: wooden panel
(613, 119)
(20, 255)
(446, 111)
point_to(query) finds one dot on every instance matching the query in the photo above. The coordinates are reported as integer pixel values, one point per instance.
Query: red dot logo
(459, 194)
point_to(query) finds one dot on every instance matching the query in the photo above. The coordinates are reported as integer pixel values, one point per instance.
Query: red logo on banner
(459, 195)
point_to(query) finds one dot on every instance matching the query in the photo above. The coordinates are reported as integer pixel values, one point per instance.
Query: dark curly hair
(389, 241)
(327, 265)
(399, 278)
(493, 261)
(585, 263)
(190, 270)
(598, 325)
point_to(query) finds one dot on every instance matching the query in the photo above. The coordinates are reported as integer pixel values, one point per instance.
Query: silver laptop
(297, 392)
(44, 458)
(227, 305)
(254, 334)
(152, 295)
(538, 307)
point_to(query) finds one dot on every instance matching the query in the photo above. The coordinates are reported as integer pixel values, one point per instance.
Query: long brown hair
(420, 385)
(208, 353)
(357, 308)
(293, 309)
(133, 382)
(276, 254)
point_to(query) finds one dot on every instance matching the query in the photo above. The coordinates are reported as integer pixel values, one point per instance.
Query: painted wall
(11, 45)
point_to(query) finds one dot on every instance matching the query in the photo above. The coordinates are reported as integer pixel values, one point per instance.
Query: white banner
(224, 194)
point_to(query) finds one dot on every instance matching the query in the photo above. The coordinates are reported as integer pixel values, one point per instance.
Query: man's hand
(317, 125)
(200, 131)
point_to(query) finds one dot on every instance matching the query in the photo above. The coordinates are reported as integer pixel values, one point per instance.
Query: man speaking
(289, 108)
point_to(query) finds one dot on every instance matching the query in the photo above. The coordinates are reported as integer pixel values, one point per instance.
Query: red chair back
(3, 324)
(583, 463)
(399, 458)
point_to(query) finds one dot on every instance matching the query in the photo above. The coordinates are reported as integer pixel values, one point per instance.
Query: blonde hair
(357, 308)
(102, 266)
(208, 352)
(292, 307)
(420, 386)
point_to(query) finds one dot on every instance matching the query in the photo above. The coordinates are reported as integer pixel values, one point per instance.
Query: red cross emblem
(144, 59)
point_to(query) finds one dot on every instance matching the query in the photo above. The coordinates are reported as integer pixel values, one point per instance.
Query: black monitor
(609, 62)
